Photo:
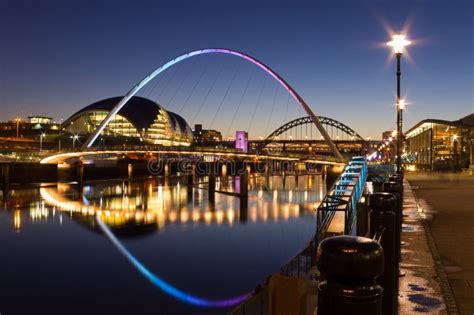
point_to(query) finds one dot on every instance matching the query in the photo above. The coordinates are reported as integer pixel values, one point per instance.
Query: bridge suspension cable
(223, 99)
(203, 73)
(207, 94)
(247, 84)
(170, 63)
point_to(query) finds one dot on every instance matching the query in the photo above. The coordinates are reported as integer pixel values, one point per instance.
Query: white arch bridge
(312, 119)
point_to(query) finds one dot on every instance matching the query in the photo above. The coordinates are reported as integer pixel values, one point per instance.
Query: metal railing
(343, 196)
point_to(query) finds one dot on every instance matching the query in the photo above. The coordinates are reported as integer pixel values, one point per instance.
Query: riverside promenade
(445, 202)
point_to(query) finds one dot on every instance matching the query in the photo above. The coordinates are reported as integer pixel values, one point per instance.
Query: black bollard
(383, 224)
(350, 265)
(399, 179)
(377, 186)
(395, 188)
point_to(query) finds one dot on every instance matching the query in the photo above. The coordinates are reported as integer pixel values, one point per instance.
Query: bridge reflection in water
(129, 206)
(233, 243)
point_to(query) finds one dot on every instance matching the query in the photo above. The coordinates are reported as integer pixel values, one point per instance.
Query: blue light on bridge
(163, 285)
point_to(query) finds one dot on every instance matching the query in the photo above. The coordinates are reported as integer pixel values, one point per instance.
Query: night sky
(59, 56)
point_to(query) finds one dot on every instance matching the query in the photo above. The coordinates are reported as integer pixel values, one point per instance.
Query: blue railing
(343, 196)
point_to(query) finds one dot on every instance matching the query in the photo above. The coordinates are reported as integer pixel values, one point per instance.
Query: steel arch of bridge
(307, 120)
(258, 63)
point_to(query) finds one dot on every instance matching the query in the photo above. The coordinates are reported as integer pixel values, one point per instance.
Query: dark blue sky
(58, 56)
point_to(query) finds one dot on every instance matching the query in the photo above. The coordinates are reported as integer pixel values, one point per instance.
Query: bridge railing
(343, 196)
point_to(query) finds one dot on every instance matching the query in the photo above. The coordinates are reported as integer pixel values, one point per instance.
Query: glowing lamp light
(401, 104)
(398, 42)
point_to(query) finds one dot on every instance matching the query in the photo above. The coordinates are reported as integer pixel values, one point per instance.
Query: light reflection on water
(253, 237)
(148, 202)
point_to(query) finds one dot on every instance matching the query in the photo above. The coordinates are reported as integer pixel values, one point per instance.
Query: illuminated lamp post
(455, 152)
(74, 138)
(398, 42)
(17, 126)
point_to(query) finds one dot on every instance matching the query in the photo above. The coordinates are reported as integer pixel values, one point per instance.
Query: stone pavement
(447, 203)
(419, 289)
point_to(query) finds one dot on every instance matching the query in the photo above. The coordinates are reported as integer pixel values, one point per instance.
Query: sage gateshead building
(140, 120)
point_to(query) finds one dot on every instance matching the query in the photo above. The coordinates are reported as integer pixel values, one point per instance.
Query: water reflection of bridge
(141, 206)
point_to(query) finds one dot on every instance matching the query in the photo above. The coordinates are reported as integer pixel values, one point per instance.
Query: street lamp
(398, 43)
(17, 126)
(74, 138)
(455, 152)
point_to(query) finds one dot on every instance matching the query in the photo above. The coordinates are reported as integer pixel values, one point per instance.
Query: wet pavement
(420, 291)
(446, 202)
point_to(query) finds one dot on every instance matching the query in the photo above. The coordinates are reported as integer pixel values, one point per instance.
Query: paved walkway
(447, 201)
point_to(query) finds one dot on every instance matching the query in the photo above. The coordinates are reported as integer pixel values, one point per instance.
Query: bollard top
(382, 201)
(396, 178)
(350, 258)
(392, 187)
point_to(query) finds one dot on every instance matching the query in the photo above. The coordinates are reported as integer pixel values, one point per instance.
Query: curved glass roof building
(140, 119)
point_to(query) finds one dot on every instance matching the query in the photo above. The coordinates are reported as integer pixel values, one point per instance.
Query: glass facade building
(440, 144)
(140, 119)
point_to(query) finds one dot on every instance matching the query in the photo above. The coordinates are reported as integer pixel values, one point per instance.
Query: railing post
(383, 224)
(350, 265)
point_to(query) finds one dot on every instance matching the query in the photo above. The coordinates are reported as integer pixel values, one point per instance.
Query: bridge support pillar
(80, 176)
(130, 170)
(190, 175)
(244, 182)
(5, 180)
(243, 211)
(212, 181)
(190, 181)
